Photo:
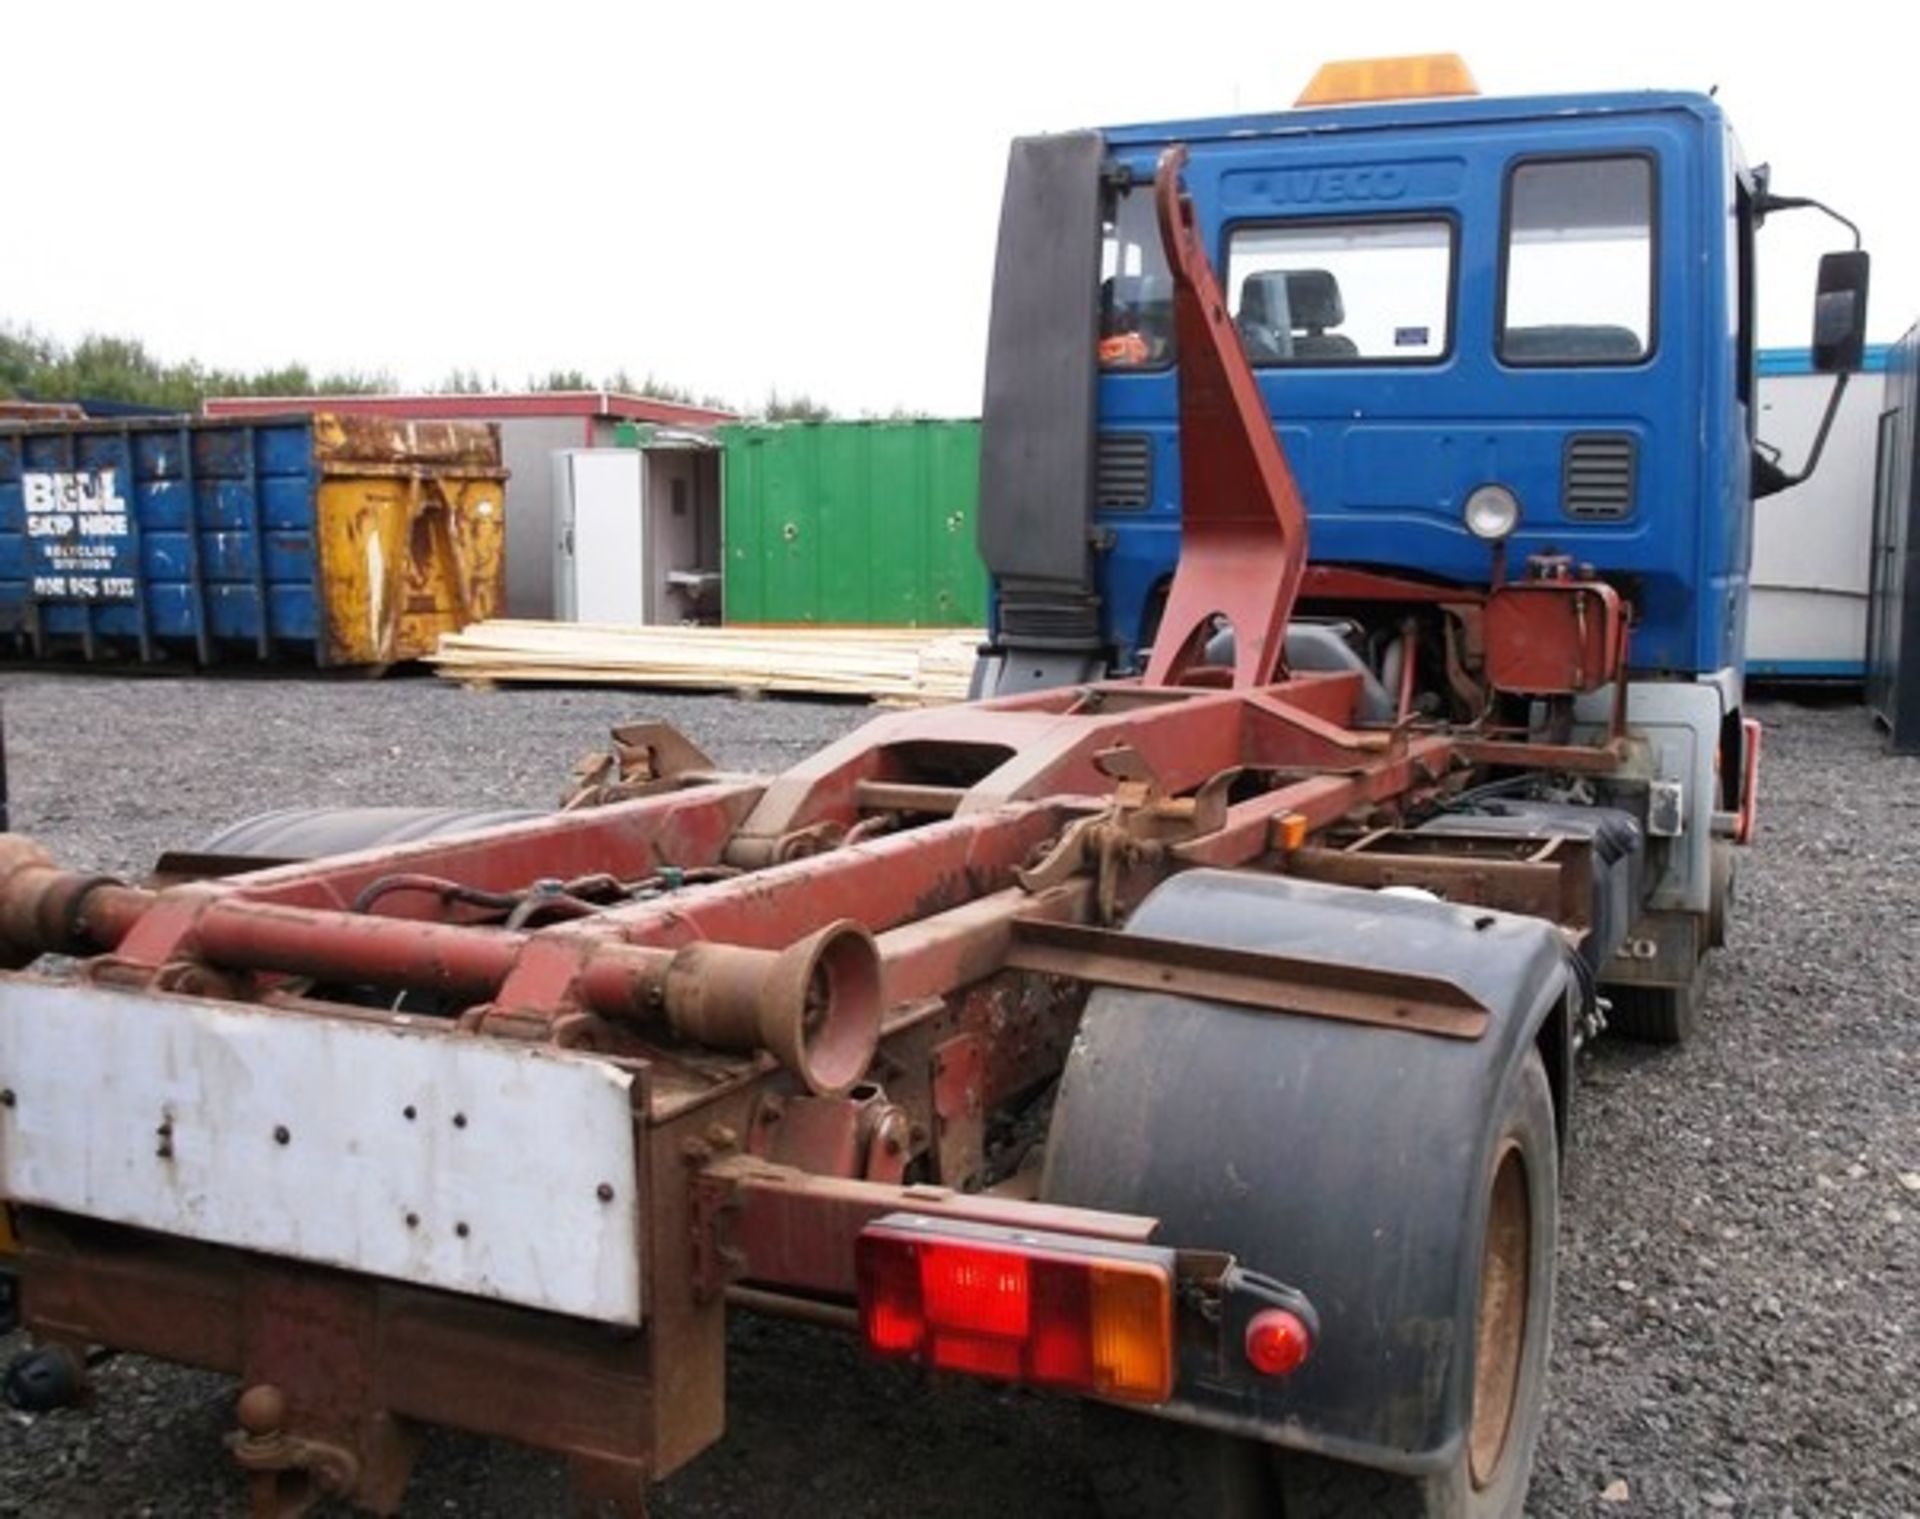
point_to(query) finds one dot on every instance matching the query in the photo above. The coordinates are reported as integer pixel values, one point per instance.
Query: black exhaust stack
(1037, 421)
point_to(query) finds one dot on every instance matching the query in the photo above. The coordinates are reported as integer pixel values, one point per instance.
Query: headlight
(1492, 512)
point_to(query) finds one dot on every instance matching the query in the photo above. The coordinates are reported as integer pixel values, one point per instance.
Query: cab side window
(1577, 283)
(1136, 290)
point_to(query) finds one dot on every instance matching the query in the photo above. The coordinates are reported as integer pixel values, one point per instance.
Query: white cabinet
(600, 559)
(637, 534)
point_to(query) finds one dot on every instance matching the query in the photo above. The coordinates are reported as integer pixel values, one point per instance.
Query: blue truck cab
(1553, 295)
(1493, 335)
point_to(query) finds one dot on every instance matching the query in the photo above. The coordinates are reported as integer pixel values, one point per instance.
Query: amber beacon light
(1351, 81)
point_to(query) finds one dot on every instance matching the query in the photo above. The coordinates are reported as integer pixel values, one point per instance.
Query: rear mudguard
(1342, 1158)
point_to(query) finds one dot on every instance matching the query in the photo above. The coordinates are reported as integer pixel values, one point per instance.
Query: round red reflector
(1277, 1342)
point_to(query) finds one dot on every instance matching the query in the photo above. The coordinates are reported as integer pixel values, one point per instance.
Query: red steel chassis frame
(971, 858)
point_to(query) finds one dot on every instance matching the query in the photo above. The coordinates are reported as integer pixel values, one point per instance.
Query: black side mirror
(1840, 313)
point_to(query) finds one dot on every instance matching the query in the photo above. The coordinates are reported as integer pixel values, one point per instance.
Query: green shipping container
(853, 522)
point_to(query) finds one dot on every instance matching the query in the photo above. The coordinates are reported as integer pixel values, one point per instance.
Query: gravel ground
(1736, 1328)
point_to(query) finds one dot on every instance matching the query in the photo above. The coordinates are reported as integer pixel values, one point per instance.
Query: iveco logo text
(1301, 186)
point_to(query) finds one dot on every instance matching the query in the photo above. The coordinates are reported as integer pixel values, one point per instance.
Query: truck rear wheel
(1488, 1478)
(1141, 1466)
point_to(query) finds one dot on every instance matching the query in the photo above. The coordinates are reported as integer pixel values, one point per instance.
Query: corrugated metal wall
(853, 522)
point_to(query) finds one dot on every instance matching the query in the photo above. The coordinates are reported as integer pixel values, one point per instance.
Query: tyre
(1142, 1467)
(1655, 1014)
(1489, 1478)
(1720, 897)
(39, 1381)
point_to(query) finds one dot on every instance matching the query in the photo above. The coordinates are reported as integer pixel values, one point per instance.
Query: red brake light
(890, 1312)
(1278, 1342)
(1053, 1310)
(986, 1290)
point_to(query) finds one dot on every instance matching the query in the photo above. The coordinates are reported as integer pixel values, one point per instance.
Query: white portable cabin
(1812, 545)
(637, 531)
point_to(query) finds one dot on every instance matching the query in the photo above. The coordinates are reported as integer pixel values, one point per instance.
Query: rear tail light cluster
(1049, 1309)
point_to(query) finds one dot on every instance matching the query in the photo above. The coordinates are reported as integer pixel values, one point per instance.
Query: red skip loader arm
(1243, 529)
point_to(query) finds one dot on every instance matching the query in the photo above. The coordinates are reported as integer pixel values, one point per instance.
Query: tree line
(34, 367)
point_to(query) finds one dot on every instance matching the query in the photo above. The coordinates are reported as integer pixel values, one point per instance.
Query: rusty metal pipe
(466, 963)
(47, 910)
(784, 1305)
(815, 1004)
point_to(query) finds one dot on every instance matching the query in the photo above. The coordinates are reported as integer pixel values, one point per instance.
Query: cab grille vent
(1597, 476)
(1123, 477)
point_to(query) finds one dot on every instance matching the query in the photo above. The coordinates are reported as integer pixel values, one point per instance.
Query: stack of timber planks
(907, 666)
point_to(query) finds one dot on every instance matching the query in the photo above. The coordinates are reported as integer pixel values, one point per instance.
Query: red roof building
(589, 405)
(533, 424)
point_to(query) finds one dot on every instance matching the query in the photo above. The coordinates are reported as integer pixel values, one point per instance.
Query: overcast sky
(737, 196)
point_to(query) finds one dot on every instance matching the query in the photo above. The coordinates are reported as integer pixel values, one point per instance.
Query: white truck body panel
(289, 1134)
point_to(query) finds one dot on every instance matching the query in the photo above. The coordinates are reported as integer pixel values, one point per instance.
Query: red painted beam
(1243, 526)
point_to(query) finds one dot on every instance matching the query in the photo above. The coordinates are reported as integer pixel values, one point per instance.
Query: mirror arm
(1767, 202)
(1778, 479)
